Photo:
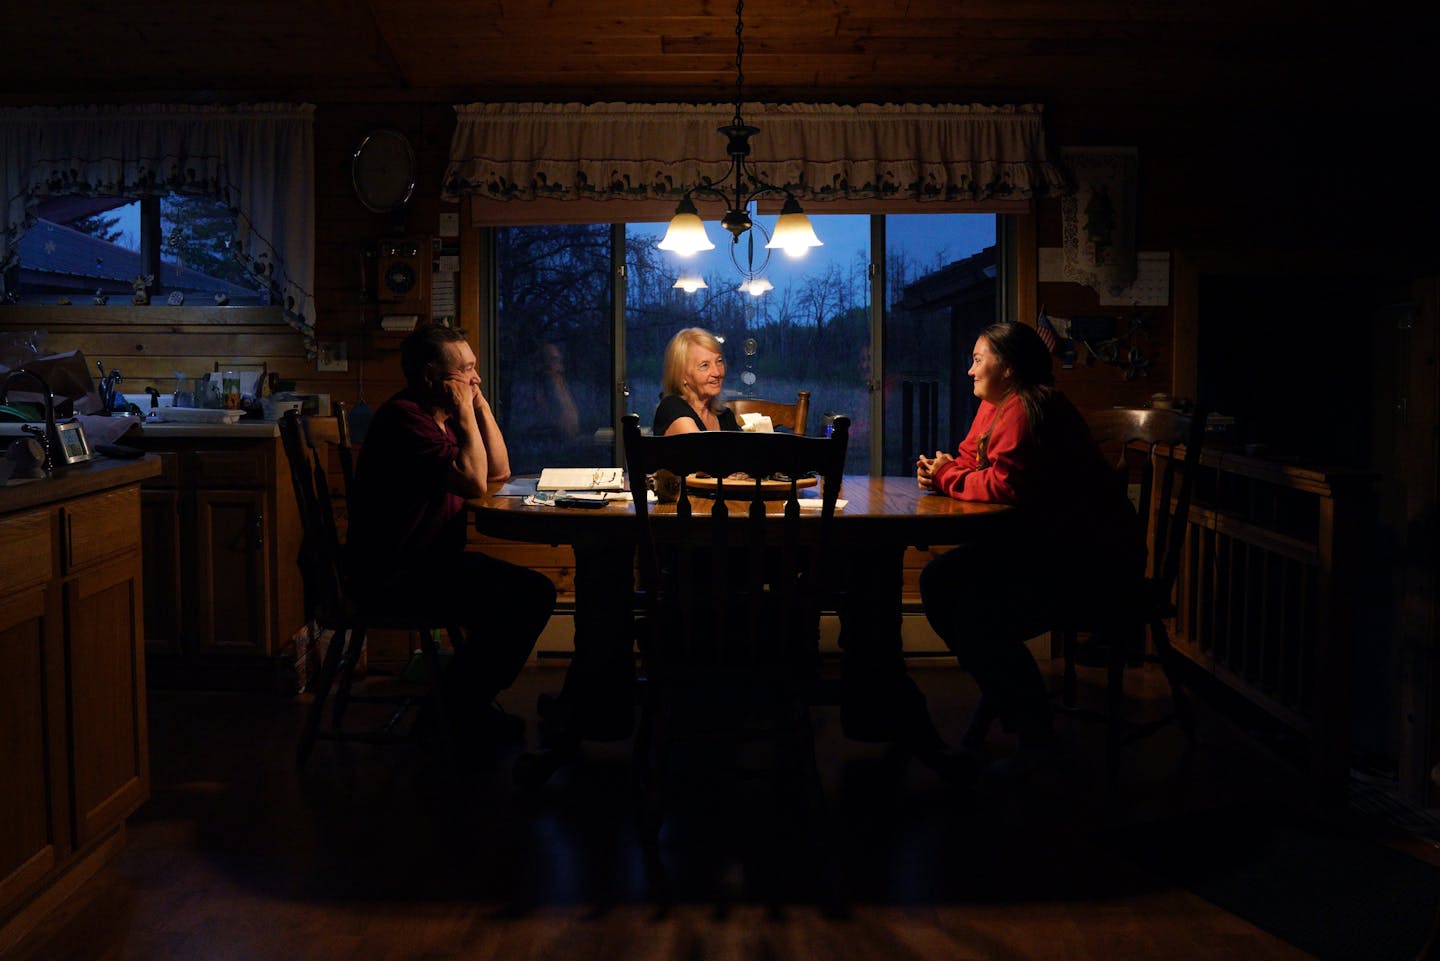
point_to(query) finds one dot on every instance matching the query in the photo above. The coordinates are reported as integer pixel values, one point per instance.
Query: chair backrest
(306, 440)
(1166, 483)
(792, 416)
(736, 590)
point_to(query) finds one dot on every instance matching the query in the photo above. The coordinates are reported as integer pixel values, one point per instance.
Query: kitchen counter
(245, 428)
(102, 473)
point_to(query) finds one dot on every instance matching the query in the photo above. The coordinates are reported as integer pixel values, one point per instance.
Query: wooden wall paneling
(1419, 475)
(1185, 326)
(147, 344)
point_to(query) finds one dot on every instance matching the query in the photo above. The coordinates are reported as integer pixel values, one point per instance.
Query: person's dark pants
(985, 600)
(502, 608)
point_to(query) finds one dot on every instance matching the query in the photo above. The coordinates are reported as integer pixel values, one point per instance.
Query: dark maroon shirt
(401, 512)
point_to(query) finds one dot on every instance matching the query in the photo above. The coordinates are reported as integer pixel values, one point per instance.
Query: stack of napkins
(756, 424)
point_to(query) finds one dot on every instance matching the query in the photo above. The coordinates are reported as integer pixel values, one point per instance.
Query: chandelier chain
(739, 57)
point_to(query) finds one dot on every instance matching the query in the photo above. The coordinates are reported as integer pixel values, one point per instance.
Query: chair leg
(1115, 697)
(1167, 656)
(651, 749)
(328, 667)
(430, 651)
(350, 656)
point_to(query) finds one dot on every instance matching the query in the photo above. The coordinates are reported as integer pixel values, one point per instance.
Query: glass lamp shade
(793, 233)
(690, 283)
(686, 233)
(755, 286)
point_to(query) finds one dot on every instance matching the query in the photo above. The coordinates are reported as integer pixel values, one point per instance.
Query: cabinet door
(232, 573)
(160, 561)
(105, 646)
(33, 835)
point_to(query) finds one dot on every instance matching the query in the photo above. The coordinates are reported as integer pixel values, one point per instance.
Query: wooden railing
(1267, 592)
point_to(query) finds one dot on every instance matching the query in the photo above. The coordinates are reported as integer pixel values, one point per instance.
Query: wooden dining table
(882, 517)
(879, 512)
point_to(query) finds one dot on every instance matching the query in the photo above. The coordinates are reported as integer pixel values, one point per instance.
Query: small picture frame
(332, 356)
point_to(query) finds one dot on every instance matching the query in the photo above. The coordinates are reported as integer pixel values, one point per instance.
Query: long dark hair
(1021, 349)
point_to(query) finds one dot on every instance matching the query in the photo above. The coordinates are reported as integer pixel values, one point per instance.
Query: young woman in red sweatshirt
(1075, 534)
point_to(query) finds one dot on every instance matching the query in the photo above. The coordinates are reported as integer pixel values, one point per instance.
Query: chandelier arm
(708, 191)
(761, 187)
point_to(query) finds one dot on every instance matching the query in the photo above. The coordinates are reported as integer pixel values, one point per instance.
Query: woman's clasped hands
(927, 467)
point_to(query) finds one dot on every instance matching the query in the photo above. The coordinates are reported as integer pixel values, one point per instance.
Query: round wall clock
(383, 170)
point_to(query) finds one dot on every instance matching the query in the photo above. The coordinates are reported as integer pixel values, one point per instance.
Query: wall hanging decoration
(1098, 217)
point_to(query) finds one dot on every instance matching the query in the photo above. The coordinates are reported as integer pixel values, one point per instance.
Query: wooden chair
(1117, 626)
(329, 603)
(730, 601)
(792, 416)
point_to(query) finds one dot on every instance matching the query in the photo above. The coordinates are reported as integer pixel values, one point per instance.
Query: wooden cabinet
(72, 693)
(221, 532)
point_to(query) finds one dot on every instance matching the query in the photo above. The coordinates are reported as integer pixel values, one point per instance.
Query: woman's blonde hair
(677, 359)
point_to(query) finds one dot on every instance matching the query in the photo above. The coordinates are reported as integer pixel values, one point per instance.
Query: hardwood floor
(404, 852)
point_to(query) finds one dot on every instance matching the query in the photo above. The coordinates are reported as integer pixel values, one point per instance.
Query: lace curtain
(820, 152)
(260, 159)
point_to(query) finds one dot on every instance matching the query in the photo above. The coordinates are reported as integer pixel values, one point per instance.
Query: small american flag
(1046, 332)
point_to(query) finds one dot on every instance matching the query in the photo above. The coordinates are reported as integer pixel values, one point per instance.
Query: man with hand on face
(430, 447)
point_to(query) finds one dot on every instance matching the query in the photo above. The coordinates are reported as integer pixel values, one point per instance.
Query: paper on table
(815, 503)
(547, 498)
(519, 487)
(581, 479)
(625, 497)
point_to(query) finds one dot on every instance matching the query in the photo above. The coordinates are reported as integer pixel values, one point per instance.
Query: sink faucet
(107, 387)
(47, 441)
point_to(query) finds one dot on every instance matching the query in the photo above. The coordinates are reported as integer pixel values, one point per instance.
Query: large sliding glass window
(940, 283)
(558, 330)
(553, 293)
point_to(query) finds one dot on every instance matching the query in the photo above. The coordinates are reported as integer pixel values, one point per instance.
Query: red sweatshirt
(1056, 471)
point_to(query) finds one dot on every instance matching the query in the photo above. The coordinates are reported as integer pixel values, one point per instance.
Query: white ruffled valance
(819, 152)
(260, 159)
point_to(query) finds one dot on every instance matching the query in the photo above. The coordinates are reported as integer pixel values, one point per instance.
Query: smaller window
(88, 250)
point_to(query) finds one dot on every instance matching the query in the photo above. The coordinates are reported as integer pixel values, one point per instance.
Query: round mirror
(383, 171)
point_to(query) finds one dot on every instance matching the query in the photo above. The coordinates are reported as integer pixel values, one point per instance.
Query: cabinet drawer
(100, 526)
(25, 558)
(230, 468)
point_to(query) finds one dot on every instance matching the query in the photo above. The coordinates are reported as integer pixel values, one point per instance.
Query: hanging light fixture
(738, 189)
(690, 282)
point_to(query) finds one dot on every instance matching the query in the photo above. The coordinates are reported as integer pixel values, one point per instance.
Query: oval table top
(879, 510)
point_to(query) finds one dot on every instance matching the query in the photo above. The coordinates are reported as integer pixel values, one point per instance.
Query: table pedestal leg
(879, 700)
(597, 701)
